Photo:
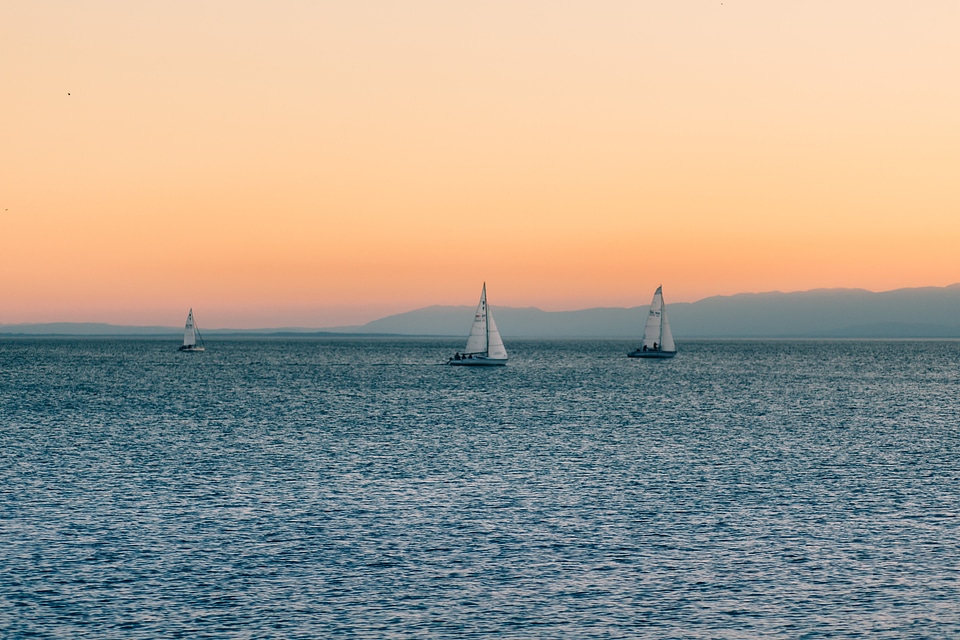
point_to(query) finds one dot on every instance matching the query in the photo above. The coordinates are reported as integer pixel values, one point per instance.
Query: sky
(316, 164)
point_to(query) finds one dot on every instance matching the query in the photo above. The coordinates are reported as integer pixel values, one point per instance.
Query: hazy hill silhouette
(927, 312)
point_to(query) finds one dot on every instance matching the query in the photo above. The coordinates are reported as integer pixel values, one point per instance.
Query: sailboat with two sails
(484, 346)
(657, 337)
(191, 335)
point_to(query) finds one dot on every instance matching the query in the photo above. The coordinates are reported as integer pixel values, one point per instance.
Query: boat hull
(651, 354)
(478, 361)
(191, 348)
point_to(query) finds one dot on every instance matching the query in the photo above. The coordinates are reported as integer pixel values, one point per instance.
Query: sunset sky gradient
(300, 163)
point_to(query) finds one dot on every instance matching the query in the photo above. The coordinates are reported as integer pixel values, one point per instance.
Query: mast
(662, 313)
(486, 321)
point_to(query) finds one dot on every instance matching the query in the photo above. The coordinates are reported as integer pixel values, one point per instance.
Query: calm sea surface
(311, 488)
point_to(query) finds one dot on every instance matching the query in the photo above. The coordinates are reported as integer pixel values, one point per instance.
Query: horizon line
(153, 329)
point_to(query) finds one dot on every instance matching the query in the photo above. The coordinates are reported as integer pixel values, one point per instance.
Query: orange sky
(324, 163)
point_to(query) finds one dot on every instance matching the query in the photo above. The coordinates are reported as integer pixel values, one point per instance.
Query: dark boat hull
(651, 354)
(478, 361)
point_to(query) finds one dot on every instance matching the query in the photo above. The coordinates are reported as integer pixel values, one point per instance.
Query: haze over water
(309, 488)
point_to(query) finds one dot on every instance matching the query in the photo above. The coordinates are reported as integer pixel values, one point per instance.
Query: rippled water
(313, 488)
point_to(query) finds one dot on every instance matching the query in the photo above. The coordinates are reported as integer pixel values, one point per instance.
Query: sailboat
(657, 337)
(484, 346)
(190, 336)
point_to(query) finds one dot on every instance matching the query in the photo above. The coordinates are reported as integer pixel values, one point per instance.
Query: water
(356, 488)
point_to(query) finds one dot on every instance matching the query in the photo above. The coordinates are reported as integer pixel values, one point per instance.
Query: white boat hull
(639, 353)
(192, 348)
(478, 361)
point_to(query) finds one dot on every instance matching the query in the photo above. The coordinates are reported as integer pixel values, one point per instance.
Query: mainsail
(477, 342)
(189, 332)
(657, 334)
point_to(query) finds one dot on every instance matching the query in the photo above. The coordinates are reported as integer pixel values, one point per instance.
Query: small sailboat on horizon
(484, 346)
(190, 335)
(657, 337)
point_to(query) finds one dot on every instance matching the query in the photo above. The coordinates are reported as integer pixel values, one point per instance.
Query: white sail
(477, 342)
(189, 333)
(484, 346)
(495, 348)
(651, 334)
(666, 336)
(657, 337)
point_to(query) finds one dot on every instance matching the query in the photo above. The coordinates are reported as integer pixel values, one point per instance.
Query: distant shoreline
(178, 334)
(918, 313)
(214, 337)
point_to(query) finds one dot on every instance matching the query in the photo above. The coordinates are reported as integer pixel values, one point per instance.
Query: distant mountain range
(928, 312)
